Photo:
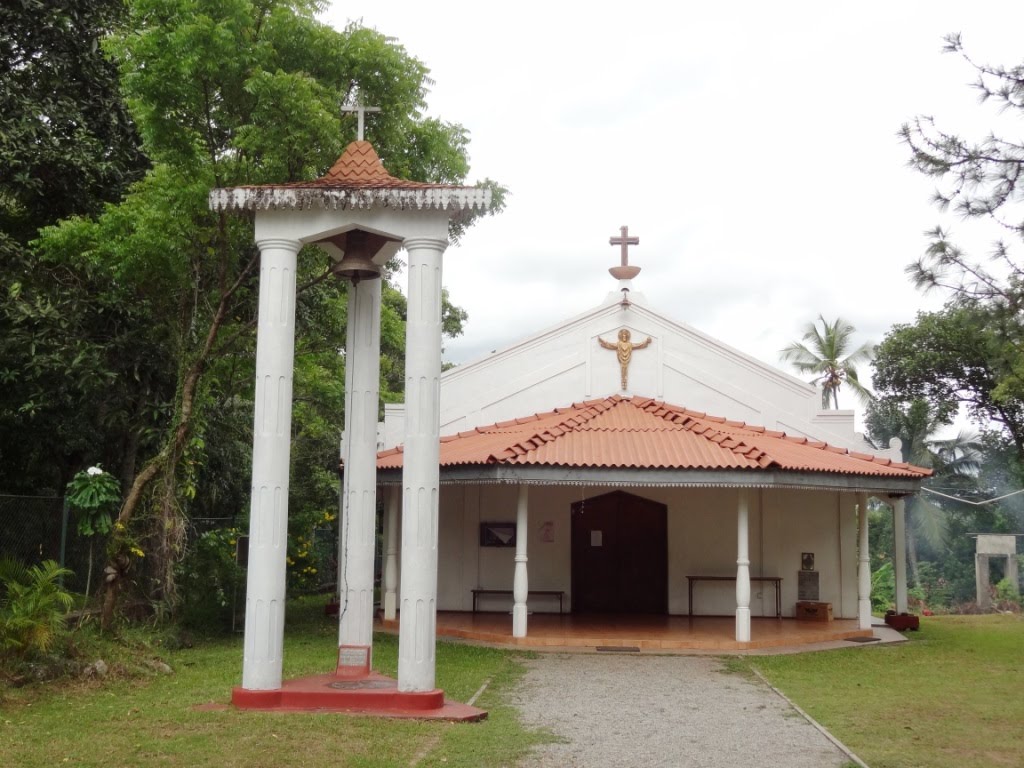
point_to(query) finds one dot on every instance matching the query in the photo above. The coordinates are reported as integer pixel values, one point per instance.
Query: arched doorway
(619, 555)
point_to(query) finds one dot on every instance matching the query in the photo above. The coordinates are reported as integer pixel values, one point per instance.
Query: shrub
(883, 588)
(209, 580)
(33, 605)
(1007, 596)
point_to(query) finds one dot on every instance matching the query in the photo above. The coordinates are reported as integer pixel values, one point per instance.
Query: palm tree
(826, 354)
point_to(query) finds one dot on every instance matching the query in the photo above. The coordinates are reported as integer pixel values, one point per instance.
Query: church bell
(356, 267)
(358, 248)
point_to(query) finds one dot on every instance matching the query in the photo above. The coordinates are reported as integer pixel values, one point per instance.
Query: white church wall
(818, 522)
(701, 542)
(464, 565)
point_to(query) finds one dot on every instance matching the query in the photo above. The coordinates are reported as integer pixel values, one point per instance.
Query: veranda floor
(547, 631)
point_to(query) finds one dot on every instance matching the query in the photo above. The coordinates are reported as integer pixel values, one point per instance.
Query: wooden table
(543, 592)
(776, 580)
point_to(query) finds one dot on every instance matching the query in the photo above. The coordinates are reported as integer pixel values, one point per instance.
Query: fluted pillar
(520, 581)
(899, 545)
(420, 477)
(743, 569)
(863, 564)
(359, 488)
(271, 451)
(391, 555)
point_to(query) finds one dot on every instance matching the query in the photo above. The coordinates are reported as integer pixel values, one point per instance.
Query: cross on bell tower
(360, 111)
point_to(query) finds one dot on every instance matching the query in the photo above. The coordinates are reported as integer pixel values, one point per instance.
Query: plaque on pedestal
(353, 661)
(807, 585)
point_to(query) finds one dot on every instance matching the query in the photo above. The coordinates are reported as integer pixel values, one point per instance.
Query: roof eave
(666, 478)
(452, 199)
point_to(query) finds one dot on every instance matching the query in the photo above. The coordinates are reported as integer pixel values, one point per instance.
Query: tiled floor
(668, 633)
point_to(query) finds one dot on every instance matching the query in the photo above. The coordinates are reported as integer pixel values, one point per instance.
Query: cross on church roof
(624, 271)
(360, 111)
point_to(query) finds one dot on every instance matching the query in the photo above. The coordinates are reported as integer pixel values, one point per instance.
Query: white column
(742, 569)
(899, 545)
(520, 582)
(359, 486)
(271, 450)
(391, 555)
(863, 564)
(981, 582)
(420, 475)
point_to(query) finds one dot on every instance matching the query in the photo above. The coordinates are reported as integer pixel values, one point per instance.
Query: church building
(625, 465)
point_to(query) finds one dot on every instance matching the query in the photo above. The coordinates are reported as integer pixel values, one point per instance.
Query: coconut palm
(826, 354)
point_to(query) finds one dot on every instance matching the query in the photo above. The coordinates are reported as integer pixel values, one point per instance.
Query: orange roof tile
(635, 432)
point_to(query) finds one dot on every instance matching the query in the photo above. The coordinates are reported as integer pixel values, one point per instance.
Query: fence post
(63, 537)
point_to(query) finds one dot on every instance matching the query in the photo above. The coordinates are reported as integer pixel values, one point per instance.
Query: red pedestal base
(903, 621)
(374, 694)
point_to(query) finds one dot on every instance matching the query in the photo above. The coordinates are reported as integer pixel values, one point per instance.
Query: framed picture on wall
(497, 534)
(807, 561)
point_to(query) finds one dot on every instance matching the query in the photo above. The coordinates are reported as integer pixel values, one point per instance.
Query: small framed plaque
(497, 534)
(807, 561)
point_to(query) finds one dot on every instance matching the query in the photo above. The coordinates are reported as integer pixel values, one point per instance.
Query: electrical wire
(973, 503)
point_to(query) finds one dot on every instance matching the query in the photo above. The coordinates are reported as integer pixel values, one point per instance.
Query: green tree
(226, 93)
(68, 147)
(826, 354)
(68, 143)
(982, 327)
(954, 461)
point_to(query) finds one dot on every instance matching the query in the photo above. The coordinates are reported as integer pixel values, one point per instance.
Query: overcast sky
(751, 146)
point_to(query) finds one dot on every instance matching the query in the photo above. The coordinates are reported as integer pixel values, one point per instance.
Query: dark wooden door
(619, 555)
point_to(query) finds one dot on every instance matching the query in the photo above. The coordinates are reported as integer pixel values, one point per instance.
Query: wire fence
(38, 528)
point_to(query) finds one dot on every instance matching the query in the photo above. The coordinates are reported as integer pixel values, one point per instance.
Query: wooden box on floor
(807, 610)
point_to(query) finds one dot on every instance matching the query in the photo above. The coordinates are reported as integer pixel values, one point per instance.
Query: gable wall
(682, 366)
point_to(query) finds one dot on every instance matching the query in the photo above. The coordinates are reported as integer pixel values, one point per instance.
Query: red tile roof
(641, 433)
(359, 167)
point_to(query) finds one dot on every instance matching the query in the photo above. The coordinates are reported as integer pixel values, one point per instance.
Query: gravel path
(663, 711)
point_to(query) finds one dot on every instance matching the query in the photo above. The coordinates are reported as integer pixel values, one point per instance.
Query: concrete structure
(359, 216)
(994, 545)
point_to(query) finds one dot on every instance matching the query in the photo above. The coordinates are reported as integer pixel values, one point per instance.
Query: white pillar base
(519, 621)
(742, 625)
(390, 606)
(864, 617)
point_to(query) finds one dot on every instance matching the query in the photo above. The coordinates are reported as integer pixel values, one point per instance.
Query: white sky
(751, 146)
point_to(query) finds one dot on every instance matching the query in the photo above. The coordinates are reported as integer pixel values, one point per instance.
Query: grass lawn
(151, 721)
(953, 696)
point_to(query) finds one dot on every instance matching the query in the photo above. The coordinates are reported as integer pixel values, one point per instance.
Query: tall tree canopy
(224, 93)
(828, 355)
(68, 144)
(970, 352)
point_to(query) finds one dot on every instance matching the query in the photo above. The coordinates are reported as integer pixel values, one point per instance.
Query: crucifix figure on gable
(624, 351)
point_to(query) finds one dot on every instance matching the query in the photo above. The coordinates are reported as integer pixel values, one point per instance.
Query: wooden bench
(777, 581)
(560, 594)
